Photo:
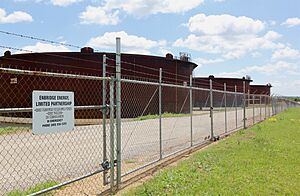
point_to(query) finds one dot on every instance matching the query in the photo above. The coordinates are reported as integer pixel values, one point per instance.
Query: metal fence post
(211, 112)
(112, 133)
(276, 105)
(191, 107)
(260, 117)
(244, 104)
(271, 105)
(118, 109)
(225, 105)
(253, 102)
(265, 107)
(104, 117)
(236, 110)
(160, 120)
(249, 100)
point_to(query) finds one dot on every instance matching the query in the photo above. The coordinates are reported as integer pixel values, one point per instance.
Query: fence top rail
(20, 110)
(187, 87)
(50, 74)
(139, 82)
(157, 84)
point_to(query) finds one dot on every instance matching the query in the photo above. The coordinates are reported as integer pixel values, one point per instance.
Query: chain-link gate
(52, 160)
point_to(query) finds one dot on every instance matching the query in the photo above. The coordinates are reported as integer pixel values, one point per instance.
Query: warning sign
(52, 111)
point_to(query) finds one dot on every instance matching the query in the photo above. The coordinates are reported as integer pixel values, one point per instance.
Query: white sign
(52, 111)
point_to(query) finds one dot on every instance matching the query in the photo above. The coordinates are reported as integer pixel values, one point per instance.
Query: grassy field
(34, 189)
(263, 160)
(163, 115)
(11, 130)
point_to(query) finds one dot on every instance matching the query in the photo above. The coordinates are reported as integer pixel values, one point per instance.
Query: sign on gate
(52, 111)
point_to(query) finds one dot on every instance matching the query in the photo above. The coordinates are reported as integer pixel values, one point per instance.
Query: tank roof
(89, 52)
(223, 78)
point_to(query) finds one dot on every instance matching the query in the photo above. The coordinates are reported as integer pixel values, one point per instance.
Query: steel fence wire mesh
(231, 111)
(255, 109)
(176, 134)
(270, 109)
(259, 108)
(201, 118)
(249, 111)
(240, 112)
(218, 113)
(266, 105)
(28, 160)
(140, 125)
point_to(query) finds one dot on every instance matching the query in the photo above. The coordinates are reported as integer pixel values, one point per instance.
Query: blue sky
(231, 38)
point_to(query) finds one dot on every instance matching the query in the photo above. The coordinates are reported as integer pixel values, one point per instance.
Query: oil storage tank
(201, 98)
(137, 99)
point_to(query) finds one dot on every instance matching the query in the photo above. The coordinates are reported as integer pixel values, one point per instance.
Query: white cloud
(129, 43)
(235, 54)
(42, 47)
(64, 2)
(296, 83)
(268, 69)
(98, 15)
(224, 24)
(272, 35)
(61, 3)
(202, 61)
(164, 51)
(291, 22)
(286, 53)
(287, 86)
(272, 22)
(230, 36)
(17, 16)
(108, 12)
(148, 7)
(230, 46)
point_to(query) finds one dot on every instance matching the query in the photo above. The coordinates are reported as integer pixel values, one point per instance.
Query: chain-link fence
(29, 159)
(156, 120)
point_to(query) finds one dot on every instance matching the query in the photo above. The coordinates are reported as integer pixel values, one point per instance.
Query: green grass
(34, 189)
(164, 115)
(293, 98)
(128, 161)
(11, 130)
(263, 160)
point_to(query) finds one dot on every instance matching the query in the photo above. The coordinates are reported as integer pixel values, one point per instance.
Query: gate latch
(105, 109)
(105, 165)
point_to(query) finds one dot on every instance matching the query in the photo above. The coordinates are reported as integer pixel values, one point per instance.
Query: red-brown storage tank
(16, 90)
(200, 99)
(261, 89)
